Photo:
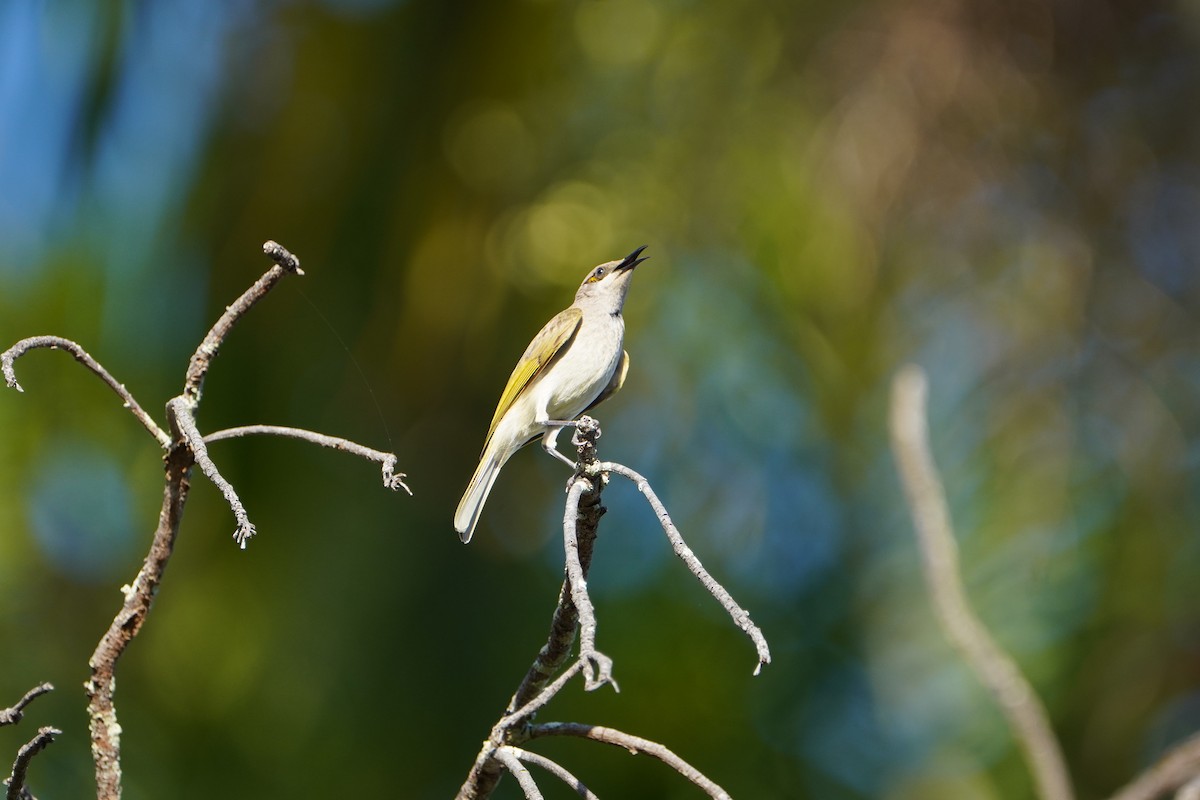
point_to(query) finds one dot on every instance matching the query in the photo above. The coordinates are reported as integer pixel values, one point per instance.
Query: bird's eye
(600, 272)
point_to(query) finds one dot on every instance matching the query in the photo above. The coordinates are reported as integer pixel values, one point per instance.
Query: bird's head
(605, 286)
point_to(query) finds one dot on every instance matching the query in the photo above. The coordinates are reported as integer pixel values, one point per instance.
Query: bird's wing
(549, 343)
(615, 384)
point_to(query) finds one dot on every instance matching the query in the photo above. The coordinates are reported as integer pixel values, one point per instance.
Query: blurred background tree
(1007, 192)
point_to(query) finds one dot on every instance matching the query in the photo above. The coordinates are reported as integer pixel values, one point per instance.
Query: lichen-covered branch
(1021, 706)
(102, 713)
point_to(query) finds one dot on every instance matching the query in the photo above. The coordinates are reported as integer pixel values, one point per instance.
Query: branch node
(14, 714)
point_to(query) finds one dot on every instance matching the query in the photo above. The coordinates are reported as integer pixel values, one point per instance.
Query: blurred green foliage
(1006, 192)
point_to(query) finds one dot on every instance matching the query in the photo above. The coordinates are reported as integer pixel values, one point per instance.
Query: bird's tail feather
(471, 505)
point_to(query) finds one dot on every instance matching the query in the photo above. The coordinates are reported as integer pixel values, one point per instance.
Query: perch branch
(1023, 709)
(391, 479)
(635, 745)
(740, 616)
(17, 790)
(580, 520)
(599, 666)
(1180, 766)
(58, 343)
(13, 714)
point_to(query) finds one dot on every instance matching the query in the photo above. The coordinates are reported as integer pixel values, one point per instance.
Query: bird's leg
(550, 441)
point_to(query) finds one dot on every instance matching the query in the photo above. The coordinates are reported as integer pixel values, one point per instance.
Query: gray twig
(17, 790)
(13, 714)
(635, 745)
(508, 758)
(58, 343)
(391, 479)
(740, 616)
(183, 420)
(555, 769)
(1022, 707)
(285, 263)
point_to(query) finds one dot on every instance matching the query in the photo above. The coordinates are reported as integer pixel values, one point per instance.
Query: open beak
(630, 261)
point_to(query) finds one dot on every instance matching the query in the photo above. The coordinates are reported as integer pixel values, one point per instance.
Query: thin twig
(285, 263)
(13, 714)
(1026, 715)
(183, 420)
(17, 790)
(1179, 766)
(555, 769)
(391, 479)
(635, 745)
(740, 616)
(58, 343)
(508, 758)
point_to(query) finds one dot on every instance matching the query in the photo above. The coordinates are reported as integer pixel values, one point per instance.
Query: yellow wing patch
(537, 358)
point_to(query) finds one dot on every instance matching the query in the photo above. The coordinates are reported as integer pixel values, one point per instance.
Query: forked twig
(185, 447)
(13, 714)
(1021, 706)
(555, 769)
(501, 751)
(635, 745)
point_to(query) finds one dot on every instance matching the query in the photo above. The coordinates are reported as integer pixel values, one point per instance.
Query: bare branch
(599, 666)
(182, 419)
(391, 479)
(635, 745)
(740, 616)
(508, 758)
(555, 769)
(1181, 765)
(285, 263)
(1026, 716)
(17, 790)
(58, 343)
(102, 714)
(13, 714)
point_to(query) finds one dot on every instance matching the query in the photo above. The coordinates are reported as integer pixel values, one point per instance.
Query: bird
(575, 362)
